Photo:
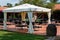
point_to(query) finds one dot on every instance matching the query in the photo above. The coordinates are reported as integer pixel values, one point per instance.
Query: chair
(21, 24)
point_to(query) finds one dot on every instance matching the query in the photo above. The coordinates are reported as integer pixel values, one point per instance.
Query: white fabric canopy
(29, 9)
(26, 7)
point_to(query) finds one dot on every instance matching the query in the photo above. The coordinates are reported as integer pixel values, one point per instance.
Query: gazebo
(29, 9)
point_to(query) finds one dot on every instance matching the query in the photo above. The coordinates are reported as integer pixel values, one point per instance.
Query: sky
(4, 2)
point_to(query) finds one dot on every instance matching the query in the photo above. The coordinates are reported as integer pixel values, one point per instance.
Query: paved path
(51, 38)
(41, 31)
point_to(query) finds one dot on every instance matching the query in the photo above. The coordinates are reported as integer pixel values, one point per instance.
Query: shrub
(51, 30)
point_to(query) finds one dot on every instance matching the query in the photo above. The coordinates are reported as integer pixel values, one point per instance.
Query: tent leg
(49, 17)
(30, 29)
(5, 20)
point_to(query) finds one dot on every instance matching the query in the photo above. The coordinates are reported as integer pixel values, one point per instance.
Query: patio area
(29, 10)
(40, 31)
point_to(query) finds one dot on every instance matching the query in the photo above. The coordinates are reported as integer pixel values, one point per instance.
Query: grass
(6, 35)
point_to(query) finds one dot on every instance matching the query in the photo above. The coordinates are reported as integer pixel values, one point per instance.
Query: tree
(51, 4)
(42, 3)
(9, 4)
(34, 2)
(16, 4)
(53, 1)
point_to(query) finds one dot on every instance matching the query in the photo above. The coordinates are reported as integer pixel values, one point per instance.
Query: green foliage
(50, 5)
(42, 3)
(51, 30)
(58, 3)
(16, 4)
(9, 4)
(53, 1)
(34, 2)
(38, 20)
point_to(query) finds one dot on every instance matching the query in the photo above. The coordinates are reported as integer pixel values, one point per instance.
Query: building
(56, 12)
(1, 13)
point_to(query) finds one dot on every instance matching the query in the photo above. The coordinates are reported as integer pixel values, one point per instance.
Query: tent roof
(26, 7)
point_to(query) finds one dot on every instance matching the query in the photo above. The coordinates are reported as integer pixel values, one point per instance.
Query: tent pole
(5, 21)
(30, 29)
(49, 17)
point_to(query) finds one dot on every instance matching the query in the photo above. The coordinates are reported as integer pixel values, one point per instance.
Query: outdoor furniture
(36, 25)
(1, 20)
(1, 23)
(23, 24)
(8, 23)
(9, 19)
(16, 21)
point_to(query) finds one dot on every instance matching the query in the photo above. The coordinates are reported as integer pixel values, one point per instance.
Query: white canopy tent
(29, 9)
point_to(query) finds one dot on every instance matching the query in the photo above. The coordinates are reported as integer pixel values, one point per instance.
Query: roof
(26, 7)
(57, 7)
(2, 8)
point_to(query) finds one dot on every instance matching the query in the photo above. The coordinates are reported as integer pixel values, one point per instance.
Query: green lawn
(6, 35)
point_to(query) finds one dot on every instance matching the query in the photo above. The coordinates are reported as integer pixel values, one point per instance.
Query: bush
(51, 30)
